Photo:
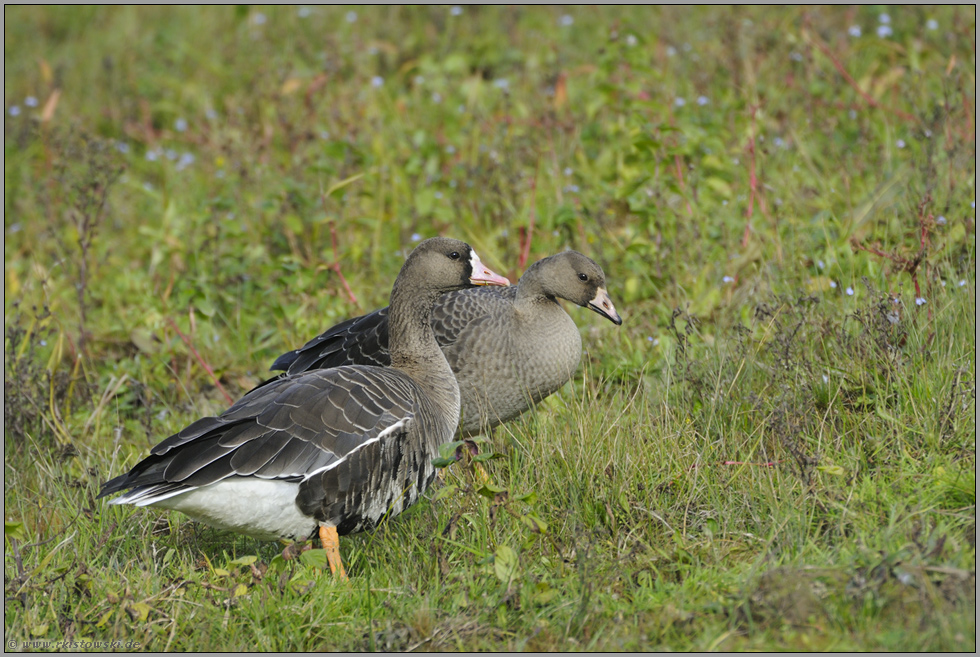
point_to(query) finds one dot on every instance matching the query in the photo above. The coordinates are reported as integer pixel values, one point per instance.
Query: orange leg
(331, 543)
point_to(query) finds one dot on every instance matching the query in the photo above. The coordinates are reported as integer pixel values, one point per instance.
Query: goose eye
(454, 255)
(583, 277)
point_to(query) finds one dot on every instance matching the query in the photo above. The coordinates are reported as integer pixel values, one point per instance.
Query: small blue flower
(122, 147)
(900, 143)
(211, 114)
(884, 19)
(450, 149)
(727, 279)
(180, 125)
(702, 100)
(259, 19)
(436, 97)
(351, 16)
(30, 101)
(850, 291)
(854, 30)
(920, 301)
(941, 220)
(455, 10)
(152, 155)
(680, 102)
(502, 83)
(962, 283)
(416, 237)
(884, 31)
(833, 284)
(568, 171)
(14, 110)
(671, 51)
(566, 20)
(377, 81)
(932, 24)
(438, 194)
(304, 12)
(820, 264)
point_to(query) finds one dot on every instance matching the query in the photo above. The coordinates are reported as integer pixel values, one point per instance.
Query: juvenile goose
(509, 347)
(337, 449)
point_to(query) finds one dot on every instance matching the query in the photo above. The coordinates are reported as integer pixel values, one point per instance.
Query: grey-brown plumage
(340, 447)
(509, 347)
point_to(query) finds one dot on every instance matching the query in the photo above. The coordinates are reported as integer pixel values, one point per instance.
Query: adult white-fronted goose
(508, 347)
(337, 448)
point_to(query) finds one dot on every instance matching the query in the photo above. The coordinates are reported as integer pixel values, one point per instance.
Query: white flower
(631, 40)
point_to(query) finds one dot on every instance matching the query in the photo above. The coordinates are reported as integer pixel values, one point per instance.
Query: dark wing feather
(364, 340)
(359, 341)
(283, 430)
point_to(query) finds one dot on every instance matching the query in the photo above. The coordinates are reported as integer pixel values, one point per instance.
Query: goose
(509, 347)
(334, 450)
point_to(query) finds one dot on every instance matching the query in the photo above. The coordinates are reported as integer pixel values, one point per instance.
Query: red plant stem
(336, 265)
(753, 182)
(680, 179)
(851, 81)
(201, 361)
(526, 239)
(970, 135)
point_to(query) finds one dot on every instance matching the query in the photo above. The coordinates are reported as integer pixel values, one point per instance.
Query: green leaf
(14, 530)
(505, 563)
(443, 462)
(314, 558)
(244, 561)
(140, 611)
(536, 524)
(445, 492)
(490, 491)
(487, 456)
(834, 470)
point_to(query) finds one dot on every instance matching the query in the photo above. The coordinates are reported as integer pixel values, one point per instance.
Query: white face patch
(476, 265)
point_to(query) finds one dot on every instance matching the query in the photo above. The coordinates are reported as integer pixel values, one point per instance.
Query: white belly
(263, 508)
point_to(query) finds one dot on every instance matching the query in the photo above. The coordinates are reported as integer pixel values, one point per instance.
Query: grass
(776, 451)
